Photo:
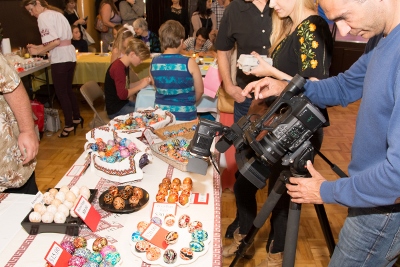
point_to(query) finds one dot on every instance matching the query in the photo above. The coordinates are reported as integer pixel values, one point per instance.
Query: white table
(21, 249)
(146, 97)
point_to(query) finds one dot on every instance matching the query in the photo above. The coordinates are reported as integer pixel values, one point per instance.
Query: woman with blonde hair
(301, 43)
(117, 87)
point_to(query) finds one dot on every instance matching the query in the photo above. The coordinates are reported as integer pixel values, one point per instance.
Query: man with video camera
(371, 233)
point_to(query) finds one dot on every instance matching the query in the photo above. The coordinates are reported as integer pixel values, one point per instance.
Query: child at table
(120, 41)
(117, 87)
(177, 78)
(77, 41)
(114, 32)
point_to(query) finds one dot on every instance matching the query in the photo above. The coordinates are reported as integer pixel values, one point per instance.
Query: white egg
(61, 196)
(84, 189)
(64, 189)
(73, 214)
(56, 202)
(35, 216)
(70, 196)
(40, 208)
(47, 217)
(53, 191)
(52, 209)
(68, 204)
(64, 209)
(48, 198)
(75, 190)
(59, 217)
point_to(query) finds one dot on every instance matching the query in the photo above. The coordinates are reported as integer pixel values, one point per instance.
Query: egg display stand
(69, 227)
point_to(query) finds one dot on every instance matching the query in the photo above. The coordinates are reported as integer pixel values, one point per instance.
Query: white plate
(183, 241)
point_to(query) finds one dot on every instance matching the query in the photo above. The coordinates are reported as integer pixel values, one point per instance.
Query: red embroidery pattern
(21, 250)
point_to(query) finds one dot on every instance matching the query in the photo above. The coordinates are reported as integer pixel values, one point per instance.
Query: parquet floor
(56, 156)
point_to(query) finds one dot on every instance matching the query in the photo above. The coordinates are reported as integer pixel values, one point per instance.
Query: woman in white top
(56, 39)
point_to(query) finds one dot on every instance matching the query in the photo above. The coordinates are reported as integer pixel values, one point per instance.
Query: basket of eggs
(136, 122)
(118, 157)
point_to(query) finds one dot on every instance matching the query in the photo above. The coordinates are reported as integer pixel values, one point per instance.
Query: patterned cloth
(218, 11)
(191, 45)
(12, 173)
(174, 86)
(152, 42)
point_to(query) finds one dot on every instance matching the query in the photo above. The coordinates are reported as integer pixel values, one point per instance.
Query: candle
(101, 47)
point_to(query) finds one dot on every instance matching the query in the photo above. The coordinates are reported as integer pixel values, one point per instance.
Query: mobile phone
(86, 18)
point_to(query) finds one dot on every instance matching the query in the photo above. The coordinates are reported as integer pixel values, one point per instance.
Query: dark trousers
(63, 74)
(29, 187)
(245, 193)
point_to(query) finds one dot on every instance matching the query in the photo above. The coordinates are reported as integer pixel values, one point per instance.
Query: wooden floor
(56, 156)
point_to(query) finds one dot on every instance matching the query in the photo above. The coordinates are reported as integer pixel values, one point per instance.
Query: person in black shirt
(77, 41)
(178, 13)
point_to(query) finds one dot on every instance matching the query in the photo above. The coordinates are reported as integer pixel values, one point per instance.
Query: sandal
(66, 131)
(80, 121)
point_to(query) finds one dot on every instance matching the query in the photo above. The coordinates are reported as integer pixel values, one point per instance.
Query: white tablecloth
(20, 249)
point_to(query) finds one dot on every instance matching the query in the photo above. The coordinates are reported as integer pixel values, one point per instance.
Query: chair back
(91, 91)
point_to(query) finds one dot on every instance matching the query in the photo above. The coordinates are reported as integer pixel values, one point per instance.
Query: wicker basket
(176, 164)
(175, 128)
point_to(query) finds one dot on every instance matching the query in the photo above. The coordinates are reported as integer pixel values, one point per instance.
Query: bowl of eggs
(118, 157)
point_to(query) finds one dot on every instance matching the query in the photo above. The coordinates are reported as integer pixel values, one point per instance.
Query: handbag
(38, 111)
(85, 35)
(225, 101)
(100, 26)
(51, 120)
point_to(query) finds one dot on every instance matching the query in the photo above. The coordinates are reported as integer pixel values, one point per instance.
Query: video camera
(282, 132)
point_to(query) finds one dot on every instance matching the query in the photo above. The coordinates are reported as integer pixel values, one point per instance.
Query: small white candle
(101, 47)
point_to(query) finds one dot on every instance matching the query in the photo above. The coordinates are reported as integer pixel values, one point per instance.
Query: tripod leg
(326, 229)
(292, 232)
(262, 216)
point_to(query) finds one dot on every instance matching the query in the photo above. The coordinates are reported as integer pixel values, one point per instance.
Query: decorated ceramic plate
(124, 204)
(186, 249)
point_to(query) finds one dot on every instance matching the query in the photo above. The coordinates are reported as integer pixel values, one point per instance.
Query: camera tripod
(297, 169)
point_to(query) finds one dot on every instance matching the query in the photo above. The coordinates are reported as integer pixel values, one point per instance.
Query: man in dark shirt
(248, 25)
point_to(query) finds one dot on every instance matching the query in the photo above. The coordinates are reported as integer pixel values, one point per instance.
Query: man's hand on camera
(264, 88)
(306, 190)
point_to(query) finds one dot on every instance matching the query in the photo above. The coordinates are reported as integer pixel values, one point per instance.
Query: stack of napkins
(248, 62)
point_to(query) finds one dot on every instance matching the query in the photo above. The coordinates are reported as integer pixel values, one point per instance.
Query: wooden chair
(91, 91)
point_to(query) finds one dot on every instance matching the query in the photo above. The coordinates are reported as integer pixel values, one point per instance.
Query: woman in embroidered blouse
(176, 12)
(148, 37)
(56, 37)
(301, 43)
(110, 15)
(203, 17)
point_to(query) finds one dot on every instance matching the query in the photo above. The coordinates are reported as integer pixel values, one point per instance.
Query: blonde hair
(122, 34)
(281, 27)
(138, 47)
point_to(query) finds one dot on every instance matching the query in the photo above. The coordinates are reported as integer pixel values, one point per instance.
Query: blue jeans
(128, 108)
(369, 237)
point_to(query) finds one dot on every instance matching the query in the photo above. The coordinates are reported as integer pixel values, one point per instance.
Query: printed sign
(57, 256)
(87, 213)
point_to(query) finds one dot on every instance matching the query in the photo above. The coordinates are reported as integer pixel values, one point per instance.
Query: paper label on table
(197, 198)
(87, 213)
(161, 209)
(212, 81)
(37, 199)
(155, 235)
(148, 135)
(76, 170)
(57, 256)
